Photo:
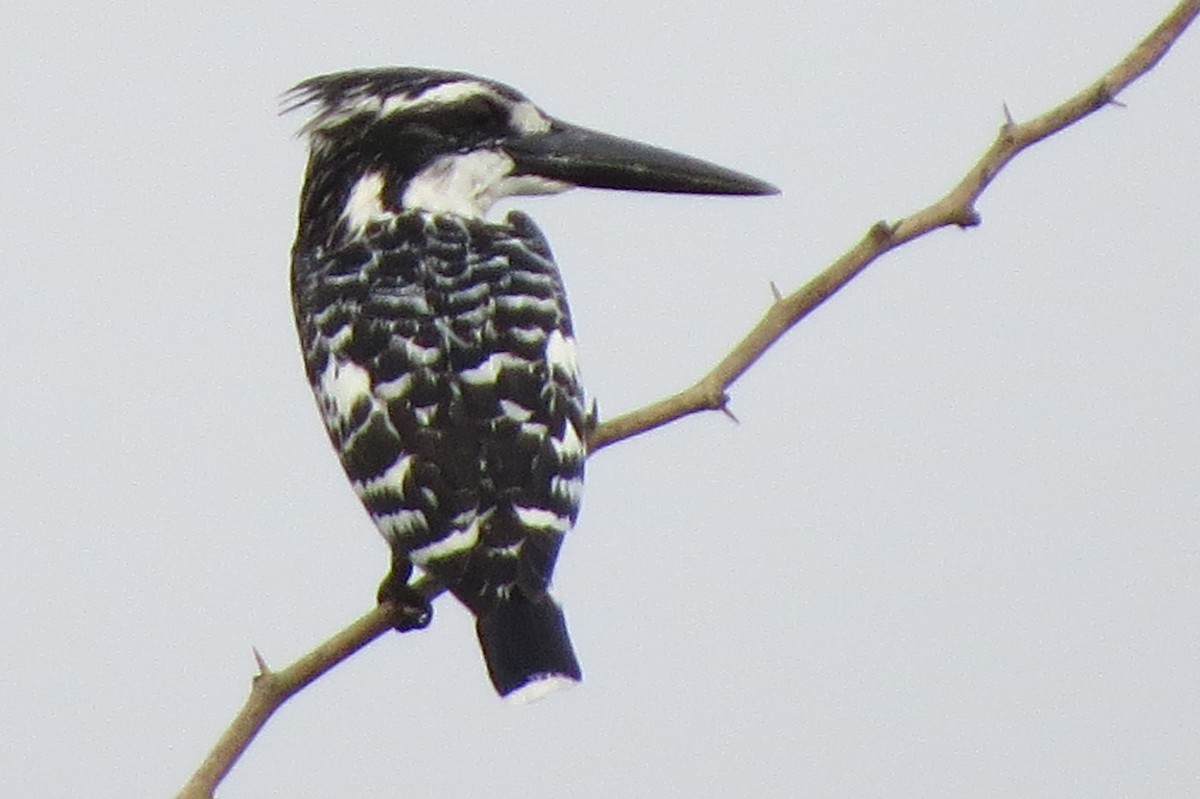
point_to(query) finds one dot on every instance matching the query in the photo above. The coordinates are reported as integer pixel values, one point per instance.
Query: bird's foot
(410, 609)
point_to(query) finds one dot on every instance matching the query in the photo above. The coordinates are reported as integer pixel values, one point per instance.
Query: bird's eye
(482, 114)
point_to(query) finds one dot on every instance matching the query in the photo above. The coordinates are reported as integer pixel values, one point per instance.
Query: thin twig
(957, 208)
(271, 689)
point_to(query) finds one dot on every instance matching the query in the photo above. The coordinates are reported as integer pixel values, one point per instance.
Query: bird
(439, 344)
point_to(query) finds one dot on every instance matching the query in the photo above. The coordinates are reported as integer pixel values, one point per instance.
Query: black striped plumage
(439, 347)
(439, 344)
(423, 304)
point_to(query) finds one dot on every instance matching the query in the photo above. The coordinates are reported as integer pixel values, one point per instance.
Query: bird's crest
(384, 92)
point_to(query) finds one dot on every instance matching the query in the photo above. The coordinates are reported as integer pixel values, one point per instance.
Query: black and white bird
(439, 343)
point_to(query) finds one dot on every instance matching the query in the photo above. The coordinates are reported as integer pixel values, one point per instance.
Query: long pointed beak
(583, 157)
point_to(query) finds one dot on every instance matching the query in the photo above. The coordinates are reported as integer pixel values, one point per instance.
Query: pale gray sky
(950, 550)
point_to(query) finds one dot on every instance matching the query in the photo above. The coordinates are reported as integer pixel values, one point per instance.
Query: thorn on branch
(592, 421)
(775, 292)
(1007, 137)
(263, 669)
(1106, 96)
(725, 409)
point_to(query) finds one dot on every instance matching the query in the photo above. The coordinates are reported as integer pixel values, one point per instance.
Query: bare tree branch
(271, 689)
(956, 208)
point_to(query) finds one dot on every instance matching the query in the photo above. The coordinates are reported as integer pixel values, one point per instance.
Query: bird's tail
(526, 646)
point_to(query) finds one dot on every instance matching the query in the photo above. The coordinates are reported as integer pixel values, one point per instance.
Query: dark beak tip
(764, 189)
(750, 186)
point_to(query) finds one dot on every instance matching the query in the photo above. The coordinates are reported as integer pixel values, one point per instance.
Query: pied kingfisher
(439, 345)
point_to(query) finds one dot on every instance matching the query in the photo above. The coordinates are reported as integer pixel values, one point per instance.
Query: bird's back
(440, 349)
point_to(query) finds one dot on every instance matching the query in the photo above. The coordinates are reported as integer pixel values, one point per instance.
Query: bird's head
(389, 140)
